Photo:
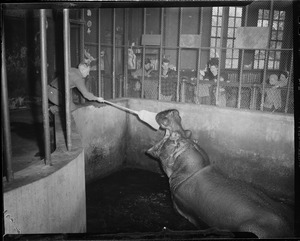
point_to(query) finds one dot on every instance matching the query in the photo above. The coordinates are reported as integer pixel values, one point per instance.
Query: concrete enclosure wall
(103, 131)
(248, 145)
(54, 204)
(48, 198)
(251, 146)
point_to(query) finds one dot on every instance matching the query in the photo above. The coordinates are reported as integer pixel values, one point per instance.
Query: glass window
(216, 29)
(276, 38)
(234, 21)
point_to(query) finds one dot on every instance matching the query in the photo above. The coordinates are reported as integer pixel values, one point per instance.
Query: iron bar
(177, 47)
(66, 73)
(81, 47)
(44, 79)
(179, 61)
(289, 86)
(160, 52)
(242, 65)
(114, 55)
(99, 55)
(144, 50)
(267, 56)
(5, 125)
(220, 57)
(199, 54)
(125, 83)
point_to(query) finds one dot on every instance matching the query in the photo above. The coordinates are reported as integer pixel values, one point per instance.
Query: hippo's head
(171, 122)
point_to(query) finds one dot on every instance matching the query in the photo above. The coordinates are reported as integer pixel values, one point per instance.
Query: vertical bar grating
(199, 54)
(289, 85)
(179, 60)
(242, 66)
(125, 84)
(220, 57)
(44, 79)
(66, 72)
(144, 50)
(99, 54)
(160, 52)
(114, 55)
(267, 57)
(5, 125)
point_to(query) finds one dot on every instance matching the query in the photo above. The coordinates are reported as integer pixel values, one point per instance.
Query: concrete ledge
(49, 199)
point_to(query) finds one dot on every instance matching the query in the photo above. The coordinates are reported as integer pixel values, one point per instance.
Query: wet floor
(132, 200)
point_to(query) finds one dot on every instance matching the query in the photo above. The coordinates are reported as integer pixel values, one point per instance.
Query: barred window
(275, 41)
(216, 27)
(234, 21)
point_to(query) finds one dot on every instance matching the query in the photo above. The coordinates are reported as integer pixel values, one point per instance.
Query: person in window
(77, 77)
(148, 67)
(283, 80)
(273, 101)
(169, 81)
(211, 74)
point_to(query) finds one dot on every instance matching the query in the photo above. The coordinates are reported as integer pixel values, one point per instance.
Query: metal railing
(7, 154)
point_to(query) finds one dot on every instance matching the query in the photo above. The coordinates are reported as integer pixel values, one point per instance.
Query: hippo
(203, 193)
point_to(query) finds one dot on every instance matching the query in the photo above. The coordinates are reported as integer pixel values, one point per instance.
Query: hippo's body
(200, 192)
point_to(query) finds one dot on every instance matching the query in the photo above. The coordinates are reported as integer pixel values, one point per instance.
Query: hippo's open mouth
(171, 122)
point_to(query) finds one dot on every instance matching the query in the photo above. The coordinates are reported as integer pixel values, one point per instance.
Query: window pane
(271, 55)
(266, 14)
(276, 14)
(220, 11)
(239, 12)
(228, 63)
(219, 21)
(230, 33)
(259, 23)
(278, 54)
(235, 53)
(281, 24)
(212, 42)
(261, 64)
(279, 45)
(232, 11)
(229, 54)
(215, 10)
(260, 13)
(273, 44)
(214, 21)
(229, 43)
(271, 64)
(280, 34)
(219, 32)
(213, 31)
(235, 63)
(274, 35)
(275, 25)
(213, 53)
(277, 64)
(265, 23)
(282, 15)
(218, 43)
(256, 54)
(231, 22)
(238, 22)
